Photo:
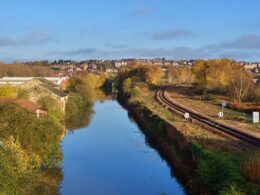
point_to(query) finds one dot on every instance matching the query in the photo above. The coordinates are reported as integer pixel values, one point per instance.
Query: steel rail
(161, 98)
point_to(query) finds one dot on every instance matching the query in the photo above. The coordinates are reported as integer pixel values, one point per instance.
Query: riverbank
(148, 121)
(160, 135)
(209, 164)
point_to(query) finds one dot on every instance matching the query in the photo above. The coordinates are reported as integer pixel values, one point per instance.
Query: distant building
(111, 70)
(21, 80)
(118, 64)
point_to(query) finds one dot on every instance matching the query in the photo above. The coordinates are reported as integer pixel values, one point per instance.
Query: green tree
(81, 86)
(127, 85)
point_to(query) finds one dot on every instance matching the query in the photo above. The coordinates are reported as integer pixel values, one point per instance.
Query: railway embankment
(206, 162)
(205, 121)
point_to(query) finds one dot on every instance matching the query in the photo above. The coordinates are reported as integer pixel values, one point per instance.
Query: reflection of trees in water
(81, 120)
(84, 115)
(152, 142)
(102, 95)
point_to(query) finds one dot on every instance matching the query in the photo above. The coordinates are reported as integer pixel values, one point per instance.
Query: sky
(116, 29)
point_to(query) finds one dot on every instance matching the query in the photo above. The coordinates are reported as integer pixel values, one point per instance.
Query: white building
(21, 80)
(118, 64)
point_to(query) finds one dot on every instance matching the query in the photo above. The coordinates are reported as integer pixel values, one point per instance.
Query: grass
(218, 160)
(191, 131)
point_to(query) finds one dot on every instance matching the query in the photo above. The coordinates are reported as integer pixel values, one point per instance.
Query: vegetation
(218, 171)
(150, 74)
(30, 150)
(96, 81)
(223, 76)
(9, 91)
(179, 75)
(27, 146)
(21, 70)
(81, 97)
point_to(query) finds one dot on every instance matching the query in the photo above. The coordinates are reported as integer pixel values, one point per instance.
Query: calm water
(110, 156)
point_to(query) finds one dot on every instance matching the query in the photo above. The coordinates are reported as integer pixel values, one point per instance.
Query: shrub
(232, 190)
(208, 97)
(27, 145)
(217, 172)
(244, 107)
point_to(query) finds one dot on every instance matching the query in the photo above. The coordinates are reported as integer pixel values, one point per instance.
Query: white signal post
(255, 117)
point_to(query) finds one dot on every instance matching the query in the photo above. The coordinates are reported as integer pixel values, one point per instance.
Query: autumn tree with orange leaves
(151, 74)
(223, 76)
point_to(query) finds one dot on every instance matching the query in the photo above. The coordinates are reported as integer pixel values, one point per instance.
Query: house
(118, 64)
(111, 70)
(40, 87)
(28, 105)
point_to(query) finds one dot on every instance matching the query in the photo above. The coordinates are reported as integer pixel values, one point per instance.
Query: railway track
(174, 107)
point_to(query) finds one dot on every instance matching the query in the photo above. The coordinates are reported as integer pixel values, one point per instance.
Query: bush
(244, 107)
(232, 190)
(27, 144)
(135, 92)
(217, 172)
(208, 97)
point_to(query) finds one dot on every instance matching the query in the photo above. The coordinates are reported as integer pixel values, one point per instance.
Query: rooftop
(30, 106)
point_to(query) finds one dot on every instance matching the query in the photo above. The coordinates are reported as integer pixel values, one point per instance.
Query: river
(111, 156)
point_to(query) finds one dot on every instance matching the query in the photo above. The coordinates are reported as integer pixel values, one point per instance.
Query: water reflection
(111, 156)
(79, 121)
(83, 118)
(105, 153)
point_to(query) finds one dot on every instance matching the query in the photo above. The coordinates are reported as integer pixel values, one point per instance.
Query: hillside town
(38, 87)
(69, 67)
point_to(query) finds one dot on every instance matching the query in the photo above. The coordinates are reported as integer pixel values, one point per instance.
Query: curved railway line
(176, 108)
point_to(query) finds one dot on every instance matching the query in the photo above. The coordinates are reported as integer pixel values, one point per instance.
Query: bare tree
(240, 83)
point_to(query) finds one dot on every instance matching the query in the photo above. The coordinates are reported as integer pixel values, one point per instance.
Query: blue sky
(115, 29)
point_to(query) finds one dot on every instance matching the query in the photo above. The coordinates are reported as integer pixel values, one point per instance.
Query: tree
(217, 75)
(213, 75)
(96, 80)
(240, 83)
(184, 75)
(16, 69)
(81, 86)
(127, 85)
(170, 73)
(151, 74)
